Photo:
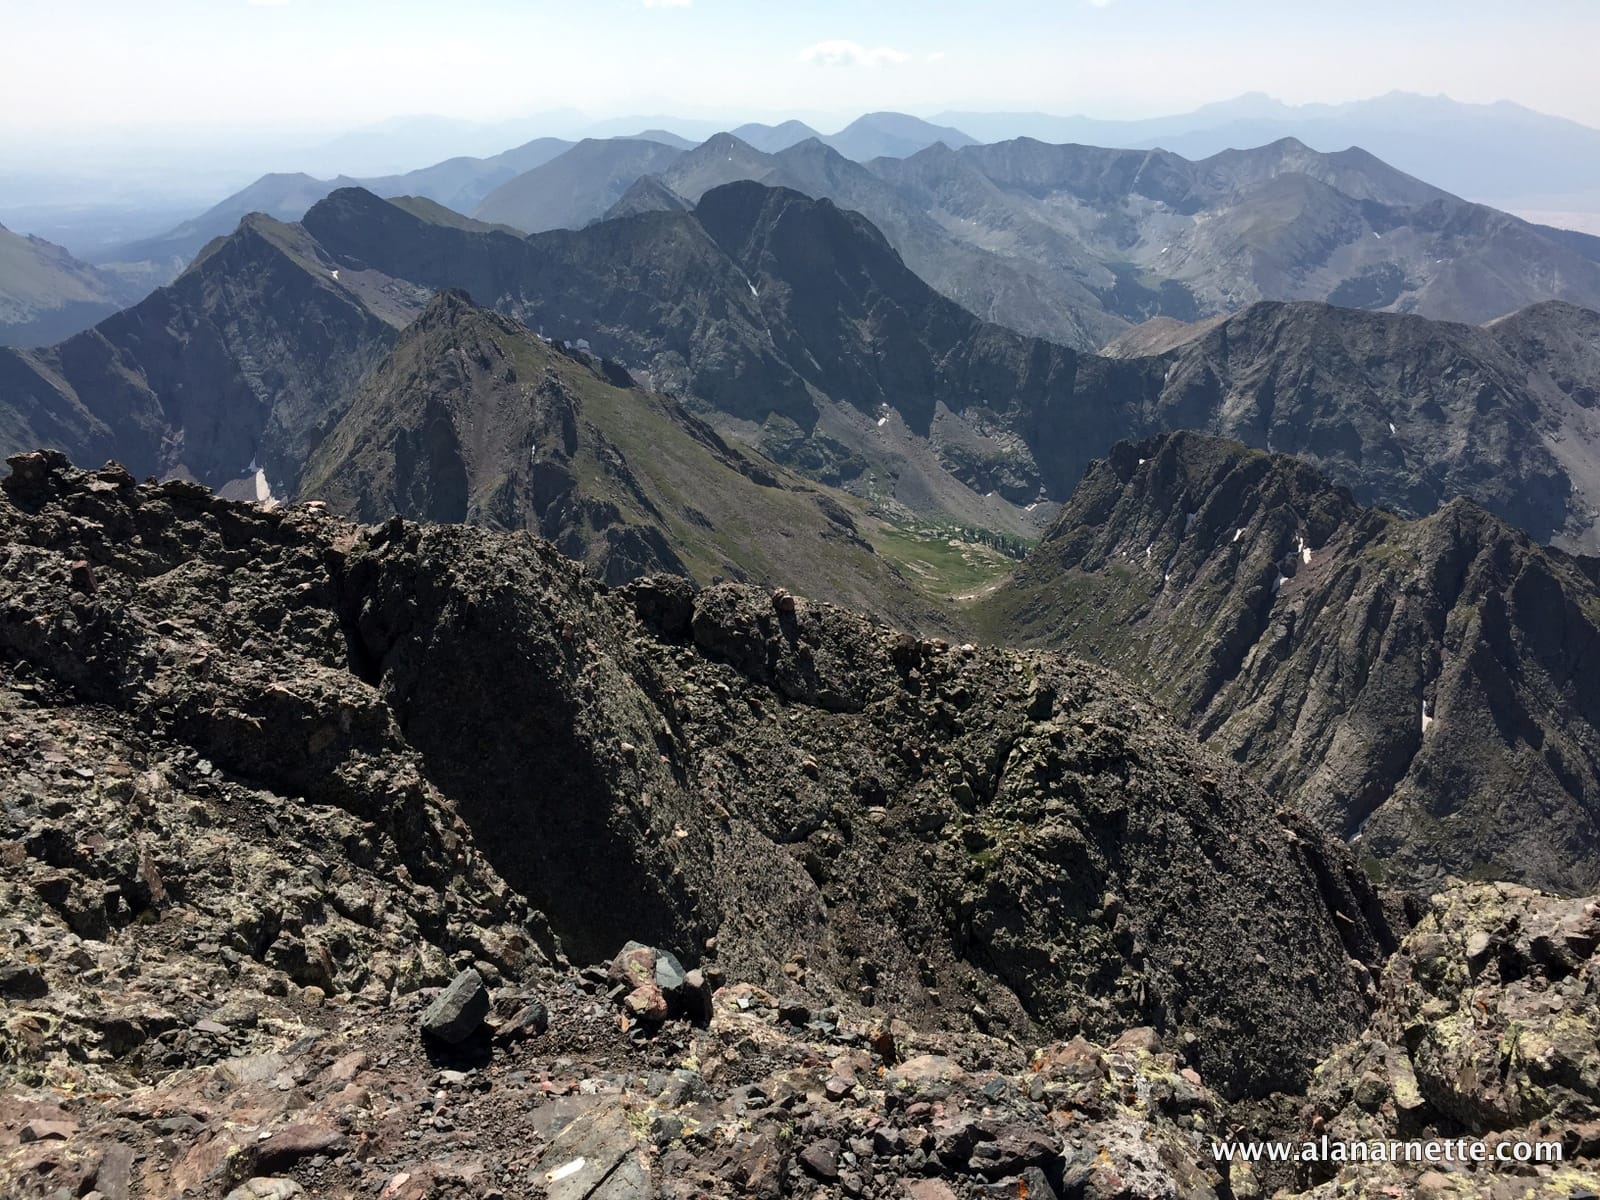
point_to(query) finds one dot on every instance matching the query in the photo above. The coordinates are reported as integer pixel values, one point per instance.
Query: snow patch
(1188, 521)
(1392, 429)
(1238, 533)
(1277, 584)
(883, 420)
(336, 273)
(264, 489)
(1427, 715)
(571, 1168)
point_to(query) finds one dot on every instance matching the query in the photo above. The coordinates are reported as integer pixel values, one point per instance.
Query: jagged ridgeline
(794, 328)
(1427, 689)
(1002, 839)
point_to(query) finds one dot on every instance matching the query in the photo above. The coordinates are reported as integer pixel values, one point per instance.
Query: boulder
(821, 1160)
(646, 1003)
(458, 1011)
(634, 964)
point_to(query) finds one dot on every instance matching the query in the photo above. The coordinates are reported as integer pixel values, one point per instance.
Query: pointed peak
(451, 302)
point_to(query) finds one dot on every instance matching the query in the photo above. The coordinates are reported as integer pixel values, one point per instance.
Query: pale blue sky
(73, 69)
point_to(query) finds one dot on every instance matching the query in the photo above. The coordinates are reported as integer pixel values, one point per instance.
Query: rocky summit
(410, 860)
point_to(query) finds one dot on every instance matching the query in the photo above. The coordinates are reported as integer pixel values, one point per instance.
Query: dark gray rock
(458, 1011)
(821, 1160)
(670, 975)
(1229, 581)
(21, 981)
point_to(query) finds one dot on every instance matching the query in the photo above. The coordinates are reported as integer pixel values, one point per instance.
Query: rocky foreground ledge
(406, 861)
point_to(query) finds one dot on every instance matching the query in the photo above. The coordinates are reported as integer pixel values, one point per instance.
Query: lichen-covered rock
(1487, 1026)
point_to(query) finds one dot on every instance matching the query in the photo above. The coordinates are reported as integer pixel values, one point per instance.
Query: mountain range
(270, 370)
(795, 327)
(759, 388)
(1502, 153)
(932, 662)
(1076, 243)
(456, 183)
(1068, 242)
(465, 182)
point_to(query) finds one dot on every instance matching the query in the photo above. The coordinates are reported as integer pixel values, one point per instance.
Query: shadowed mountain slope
(1428, 689)
(798, 326)
(230, 371)
(797, 329)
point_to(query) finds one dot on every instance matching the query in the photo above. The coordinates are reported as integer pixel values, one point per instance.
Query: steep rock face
(782, 314)
(1424, 688)
(653, 291)
(899, 821)
(238, 366)
(1562, 340)
(1408, 413)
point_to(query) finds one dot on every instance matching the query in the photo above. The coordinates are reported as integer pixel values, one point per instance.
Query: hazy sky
(76, 69)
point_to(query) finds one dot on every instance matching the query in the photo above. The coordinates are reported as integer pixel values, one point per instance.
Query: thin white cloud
(267, 3)
(841, 52)
(667, 3)
(937, 56)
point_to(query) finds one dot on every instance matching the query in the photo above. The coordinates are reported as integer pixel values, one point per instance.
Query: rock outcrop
(1486, 1028)
(958, 834)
